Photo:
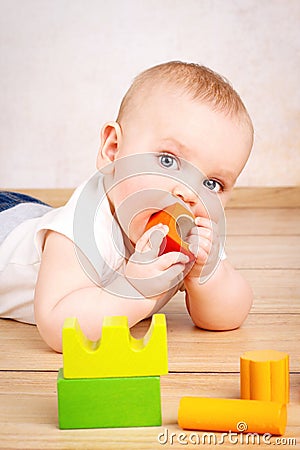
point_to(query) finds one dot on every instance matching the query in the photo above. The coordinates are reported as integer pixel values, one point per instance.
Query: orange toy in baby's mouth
(180, 222)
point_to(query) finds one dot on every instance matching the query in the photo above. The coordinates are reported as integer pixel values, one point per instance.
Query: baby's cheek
(201, 211)
(121, 192)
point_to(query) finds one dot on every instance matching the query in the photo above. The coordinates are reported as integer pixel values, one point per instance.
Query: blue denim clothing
(15, 208)
(10, 199)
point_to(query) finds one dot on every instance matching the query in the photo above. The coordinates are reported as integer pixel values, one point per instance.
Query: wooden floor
(263, 243)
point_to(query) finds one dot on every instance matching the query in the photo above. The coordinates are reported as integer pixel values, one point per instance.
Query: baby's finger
(174, 271)
(200, 231)
(198, 243)
(203, 222)
(212, 230)
(152, 239)
(168, 259)
(202, 241)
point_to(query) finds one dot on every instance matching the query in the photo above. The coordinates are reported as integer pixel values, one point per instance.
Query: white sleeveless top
(21, 249)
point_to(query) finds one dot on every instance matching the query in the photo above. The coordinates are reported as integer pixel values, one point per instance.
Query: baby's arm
(224, 300)
(64, 290)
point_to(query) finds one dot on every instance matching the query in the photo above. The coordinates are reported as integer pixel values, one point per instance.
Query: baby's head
(196, 82)
(179, 112)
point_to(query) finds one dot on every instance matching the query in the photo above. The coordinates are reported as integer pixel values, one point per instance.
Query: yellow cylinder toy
(264, 375)
(221, 414)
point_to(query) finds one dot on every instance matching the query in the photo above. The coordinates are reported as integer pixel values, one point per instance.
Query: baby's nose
(185, 194)
(193, 200)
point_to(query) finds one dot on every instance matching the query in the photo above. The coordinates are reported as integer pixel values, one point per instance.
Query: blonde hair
(200, 82)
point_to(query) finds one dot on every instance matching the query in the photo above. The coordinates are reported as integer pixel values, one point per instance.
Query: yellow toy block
(117, 353)
(265, 375)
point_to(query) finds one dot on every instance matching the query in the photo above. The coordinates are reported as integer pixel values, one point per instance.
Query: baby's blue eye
(168, 161)
(213, 185)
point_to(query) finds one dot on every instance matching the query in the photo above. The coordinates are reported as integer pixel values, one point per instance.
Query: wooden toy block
(180, 221)
(108, 402)
(221, 414)
(264, 375)
(117, 353)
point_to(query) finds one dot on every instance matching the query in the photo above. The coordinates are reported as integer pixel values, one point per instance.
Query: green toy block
(108, 402)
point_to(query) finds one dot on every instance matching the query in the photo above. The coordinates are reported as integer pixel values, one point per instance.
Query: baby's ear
(111, 135)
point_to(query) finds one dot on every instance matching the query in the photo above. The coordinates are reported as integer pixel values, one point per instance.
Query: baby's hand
(203, 239)
(150, 274)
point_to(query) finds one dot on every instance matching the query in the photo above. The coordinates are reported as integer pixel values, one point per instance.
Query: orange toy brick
(180, 221)
(223, 414)
(265, 376)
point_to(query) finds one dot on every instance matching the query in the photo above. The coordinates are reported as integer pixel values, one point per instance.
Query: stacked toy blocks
(114, 382)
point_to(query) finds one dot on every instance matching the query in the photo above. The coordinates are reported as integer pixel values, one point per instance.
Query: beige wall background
(65, 64)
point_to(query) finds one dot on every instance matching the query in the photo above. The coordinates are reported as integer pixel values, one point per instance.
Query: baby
(182, 135)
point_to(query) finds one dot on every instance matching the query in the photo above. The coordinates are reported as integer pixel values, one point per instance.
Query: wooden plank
(285, 221)
(264, 252)
(265, 197)
(190, 348)
(173, 385)
(275, 291)
(242, 197)
(28, 413)
(21, 345)
(195, 350)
